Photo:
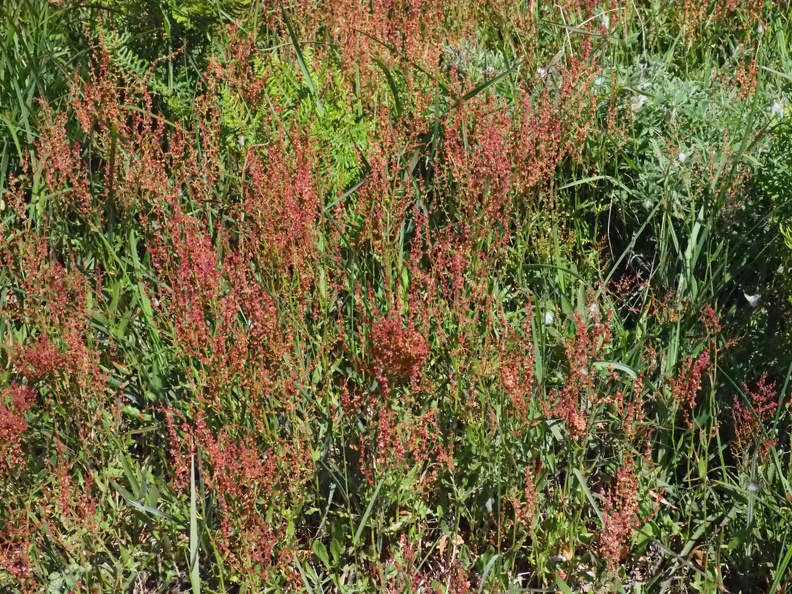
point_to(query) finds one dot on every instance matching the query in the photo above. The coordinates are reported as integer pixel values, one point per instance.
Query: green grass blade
(367, 513)
(301, 59)
(781, 570)
(488, 83)
(584, 485)
(146, 509)
(616, 365)
(487, 571)
(777, 72)
(392, 85)
(563, 587)
(195, 576)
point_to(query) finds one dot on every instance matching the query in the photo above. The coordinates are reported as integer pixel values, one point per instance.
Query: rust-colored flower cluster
(750, 417)
(686, 385)
(15, 402)
(400, 352)
(620, 516)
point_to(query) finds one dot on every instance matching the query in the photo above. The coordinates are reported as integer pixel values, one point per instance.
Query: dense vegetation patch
(404, 296)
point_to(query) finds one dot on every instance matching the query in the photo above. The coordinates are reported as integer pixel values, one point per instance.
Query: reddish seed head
(40, 359)
(398, 351)
(687, 383)
(749, 419)
(15, 401)
(620, 516)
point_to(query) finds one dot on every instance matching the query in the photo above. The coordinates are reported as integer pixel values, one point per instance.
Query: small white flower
(605, 20)
(777, 110)
(753, 300)
(488, 505)
(753, 487)
(542, 71)
(599, 81)
(647, 204)
(241, 140)
(759, 28)
(638, 102)
(548, 318)
(682, 157)
(593, 309)
(156, 302)
(583, 371)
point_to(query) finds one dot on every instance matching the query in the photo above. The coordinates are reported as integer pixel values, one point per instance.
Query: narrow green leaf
(392, 84)
(417, 67)
(582, 480)
(585, 180)
(777, 73)
(131, 477)
(616, 365)
(345, 195)
(486, 572)
(562, 585)
(195, 576)
(781, 570)
(538, 368)
(147, 509)
(572, 29)
(367, 513)
(301, 60)
(488, 83)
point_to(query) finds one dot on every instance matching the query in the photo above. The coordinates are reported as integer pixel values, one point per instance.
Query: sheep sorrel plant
(404, 296)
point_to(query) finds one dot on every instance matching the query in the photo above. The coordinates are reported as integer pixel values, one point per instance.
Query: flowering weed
(396, 296)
